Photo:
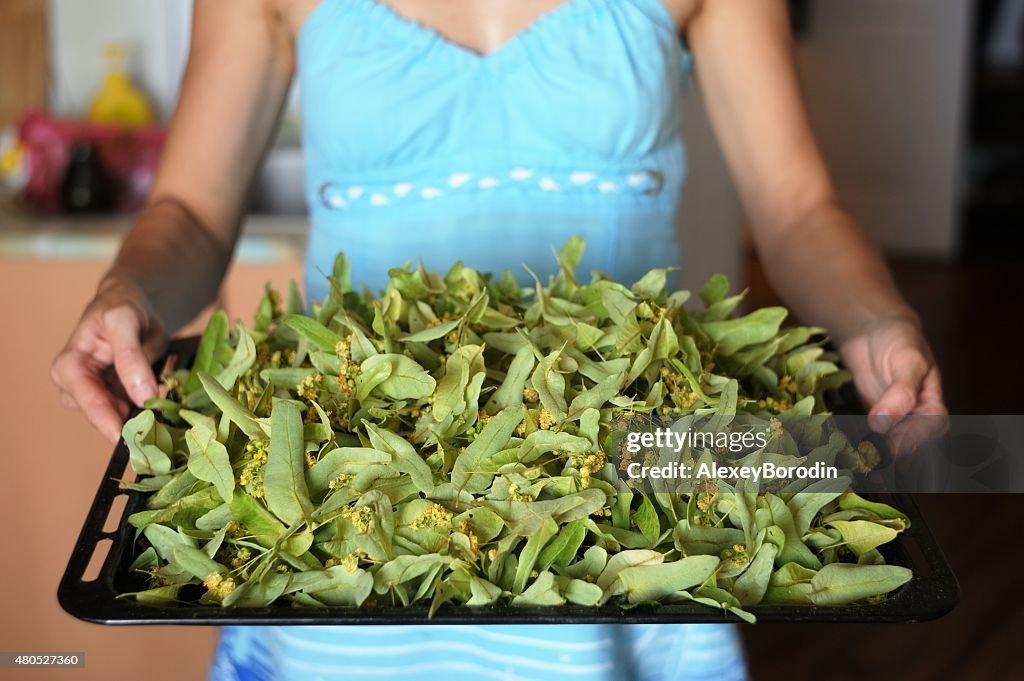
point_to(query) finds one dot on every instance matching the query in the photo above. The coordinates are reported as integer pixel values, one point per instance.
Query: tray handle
(76, 595)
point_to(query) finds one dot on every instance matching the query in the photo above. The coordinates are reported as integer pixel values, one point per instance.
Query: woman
(489, 130)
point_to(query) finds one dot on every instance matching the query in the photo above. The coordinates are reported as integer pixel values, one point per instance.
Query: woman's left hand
(896, 376)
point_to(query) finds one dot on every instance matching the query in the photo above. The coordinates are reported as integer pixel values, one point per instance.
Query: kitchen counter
(265, 239)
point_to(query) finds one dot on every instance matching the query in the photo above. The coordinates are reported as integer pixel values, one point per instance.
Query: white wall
(154, 32)
(885, 84)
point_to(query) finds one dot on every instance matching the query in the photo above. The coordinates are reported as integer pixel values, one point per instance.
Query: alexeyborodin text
(735, 442)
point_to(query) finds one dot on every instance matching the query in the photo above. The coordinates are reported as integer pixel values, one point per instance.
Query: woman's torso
(421, 148)
(418, 148)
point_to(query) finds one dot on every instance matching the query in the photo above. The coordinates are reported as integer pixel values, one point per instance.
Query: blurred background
(918, 105)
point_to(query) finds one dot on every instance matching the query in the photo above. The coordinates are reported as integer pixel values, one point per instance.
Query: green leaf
(165, 540)
(284, 481)
(430, 333)
(334, 586)
(510, 392)
(405, 457)
(406, 379)
(621, 561)
(851, 500)
(750, 586)
(484, 592)
(543, 591)
(494, 437)
(596, 397)
(450, 398)
(562, 549)
(550, 385)
(241, 361)
(264, 527)
(714, 290)
(214, 337)
(646, 520)
(842, 584)
(316, 333)
(209, 460)
(149, 444)
(863, 535)
(531, 551)
(652, 582)
(231, 408)
(580, 592)
(403, 569)
(757, 327)
(197, 562)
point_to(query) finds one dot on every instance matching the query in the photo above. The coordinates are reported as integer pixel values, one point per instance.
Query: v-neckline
(469, 53)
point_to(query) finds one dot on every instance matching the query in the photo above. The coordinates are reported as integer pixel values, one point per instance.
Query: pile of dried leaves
(450, 442)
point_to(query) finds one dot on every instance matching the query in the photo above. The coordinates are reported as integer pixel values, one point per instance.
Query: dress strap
(657, 12)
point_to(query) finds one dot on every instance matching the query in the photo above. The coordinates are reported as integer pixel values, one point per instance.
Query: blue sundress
(420, 150)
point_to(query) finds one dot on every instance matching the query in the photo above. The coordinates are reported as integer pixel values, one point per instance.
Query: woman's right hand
(107, 360)
(175, 257)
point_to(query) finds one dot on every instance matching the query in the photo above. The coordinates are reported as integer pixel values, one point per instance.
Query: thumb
(123, 329)
(899, 397)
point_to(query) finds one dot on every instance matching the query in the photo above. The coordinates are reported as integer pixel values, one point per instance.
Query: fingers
(123, 328)
(81, 387)
(928, 420)
(914, 431)
(66, 400)
(900, 397)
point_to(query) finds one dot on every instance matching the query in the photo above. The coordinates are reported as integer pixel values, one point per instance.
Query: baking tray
(931, 593)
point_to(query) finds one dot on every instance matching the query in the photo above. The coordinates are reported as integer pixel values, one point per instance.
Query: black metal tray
(931, 593)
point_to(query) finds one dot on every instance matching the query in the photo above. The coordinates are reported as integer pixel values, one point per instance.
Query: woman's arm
(174, 258)
(238, 73)
(815, 255)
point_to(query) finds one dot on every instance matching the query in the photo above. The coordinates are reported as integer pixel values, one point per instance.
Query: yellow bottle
(119, 102)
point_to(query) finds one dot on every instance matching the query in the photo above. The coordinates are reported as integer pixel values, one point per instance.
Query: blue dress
(419, 150)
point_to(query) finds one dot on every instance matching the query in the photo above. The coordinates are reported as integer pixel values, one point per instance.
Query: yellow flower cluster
(737, 555)
(434, 515)
(788, 383)
(252, 472)
(351, 561)
(361, 517)
(346, 369)
(706, 497)
(867, 457)
(234, 529)
(592, 463)
(218, 586)
(778, 406)
(530, 395)
(241, 557)
(545, 419)
(340, 481)
(466, 528)
(515, 495)
(309, 387)
(679, 389)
